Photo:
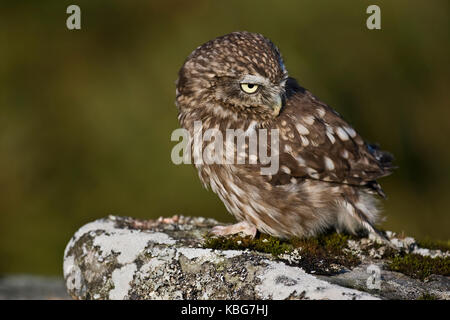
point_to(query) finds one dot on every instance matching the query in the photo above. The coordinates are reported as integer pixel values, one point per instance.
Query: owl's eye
(249, 87)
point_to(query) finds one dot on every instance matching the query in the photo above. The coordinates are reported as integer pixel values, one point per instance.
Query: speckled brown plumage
(327, 173)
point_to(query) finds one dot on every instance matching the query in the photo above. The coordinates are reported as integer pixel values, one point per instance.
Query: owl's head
(240, 74)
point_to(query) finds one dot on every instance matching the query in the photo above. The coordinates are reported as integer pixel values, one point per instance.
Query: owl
(327, 172)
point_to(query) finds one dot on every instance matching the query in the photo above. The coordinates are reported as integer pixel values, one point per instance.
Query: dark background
(86, 116)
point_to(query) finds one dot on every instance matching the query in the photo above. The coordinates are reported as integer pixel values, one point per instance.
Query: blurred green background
(86, 116)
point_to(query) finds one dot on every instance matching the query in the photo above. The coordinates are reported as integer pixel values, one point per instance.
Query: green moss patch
(261, 243)
(420, 267)
(324, 254)
(427, 296)
(327, 254)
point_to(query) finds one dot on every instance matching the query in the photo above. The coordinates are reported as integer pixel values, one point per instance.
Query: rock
(26, 287)
(126, 258)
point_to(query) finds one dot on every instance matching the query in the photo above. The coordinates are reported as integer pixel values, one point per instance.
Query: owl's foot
(246, 228)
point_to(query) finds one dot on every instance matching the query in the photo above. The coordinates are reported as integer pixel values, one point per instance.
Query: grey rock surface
(126, 258)
(30, 287)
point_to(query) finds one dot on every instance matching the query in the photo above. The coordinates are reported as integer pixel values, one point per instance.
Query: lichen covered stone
(173, 258)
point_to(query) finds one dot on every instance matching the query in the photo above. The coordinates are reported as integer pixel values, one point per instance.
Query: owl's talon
(243, 227)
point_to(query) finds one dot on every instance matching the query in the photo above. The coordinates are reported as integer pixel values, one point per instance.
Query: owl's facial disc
(266, 93)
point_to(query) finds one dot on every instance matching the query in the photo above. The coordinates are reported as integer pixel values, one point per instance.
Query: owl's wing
(316, 143)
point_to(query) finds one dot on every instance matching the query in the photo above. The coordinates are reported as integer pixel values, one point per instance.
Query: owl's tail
(384, 158)
(385, 161)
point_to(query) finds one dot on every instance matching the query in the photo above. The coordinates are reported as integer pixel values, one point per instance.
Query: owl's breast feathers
(316, 143)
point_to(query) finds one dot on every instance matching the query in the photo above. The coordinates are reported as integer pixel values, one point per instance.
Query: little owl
(327, 172)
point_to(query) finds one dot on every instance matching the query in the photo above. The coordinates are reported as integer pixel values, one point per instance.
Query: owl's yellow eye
(249, 87)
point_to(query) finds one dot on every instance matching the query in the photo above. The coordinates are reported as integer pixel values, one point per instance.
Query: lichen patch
(280, 281)
(129, 244)
(121, 279)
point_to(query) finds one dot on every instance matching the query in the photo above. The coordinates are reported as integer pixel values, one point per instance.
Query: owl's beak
(276, 107)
